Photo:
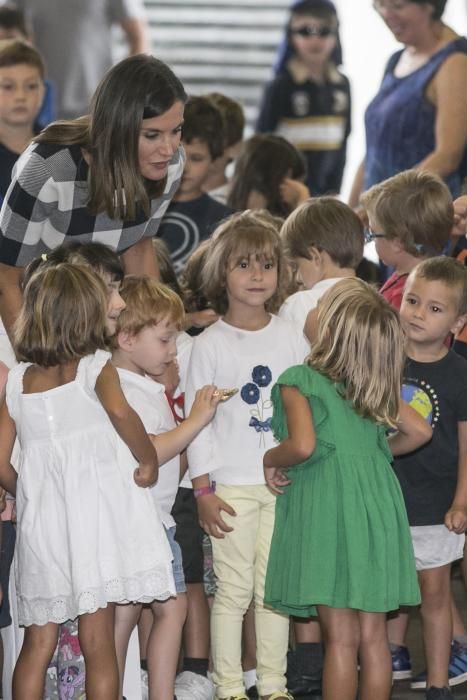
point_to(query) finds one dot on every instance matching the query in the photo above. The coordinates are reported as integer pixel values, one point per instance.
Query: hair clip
(44, 257)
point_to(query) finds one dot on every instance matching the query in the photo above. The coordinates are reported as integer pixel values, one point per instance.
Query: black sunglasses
(322, 32)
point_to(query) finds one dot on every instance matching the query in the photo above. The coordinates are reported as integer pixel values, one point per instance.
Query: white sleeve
(201, 371)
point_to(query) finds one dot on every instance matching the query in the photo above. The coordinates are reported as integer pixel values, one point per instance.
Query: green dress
(341, 536)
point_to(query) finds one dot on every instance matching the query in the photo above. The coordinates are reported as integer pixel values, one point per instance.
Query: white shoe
(144, 685)
(192, 686)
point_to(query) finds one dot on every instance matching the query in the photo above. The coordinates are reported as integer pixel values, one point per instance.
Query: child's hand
(205, 405)
(460, 217)
(146, 475)
(210, 508)
(276, 479)
(456, 520)
(293, 192)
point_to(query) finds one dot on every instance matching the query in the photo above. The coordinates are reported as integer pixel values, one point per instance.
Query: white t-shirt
(297, 307)
(231, 447)
(147, 398)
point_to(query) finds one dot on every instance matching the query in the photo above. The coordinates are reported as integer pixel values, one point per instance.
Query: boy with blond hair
(145, 344)
(410, 219)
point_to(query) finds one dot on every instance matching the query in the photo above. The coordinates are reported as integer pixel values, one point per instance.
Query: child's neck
(316, 71)
(426, 352)
(247, 318)
(216, 177)
(332, 271)
(16, 138)
(189, 196)
(122, 360)
(406, 263)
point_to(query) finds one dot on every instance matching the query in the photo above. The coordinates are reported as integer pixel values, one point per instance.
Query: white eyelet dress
(86, 534)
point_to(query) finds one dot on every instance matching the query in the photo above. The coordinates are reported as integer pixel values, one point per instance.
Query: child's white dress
(86, 534)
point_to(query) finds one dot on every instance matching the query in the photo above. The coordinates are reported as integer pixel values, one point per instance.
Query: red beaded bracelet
(204, 490)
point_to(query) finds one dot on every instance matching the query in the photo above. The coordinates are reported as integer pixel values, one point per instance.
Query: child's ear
(315, 254)
(459, 324)
(125, 340)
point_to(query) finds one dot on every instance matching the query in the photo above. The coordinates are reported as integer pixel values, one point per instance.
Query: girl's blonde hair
(243, 235)
(360, 345)
(63, 317)
(147, 303)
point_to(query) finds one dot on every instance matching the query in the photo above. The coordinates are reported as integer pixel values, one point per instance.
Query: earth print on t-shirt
(422, 397)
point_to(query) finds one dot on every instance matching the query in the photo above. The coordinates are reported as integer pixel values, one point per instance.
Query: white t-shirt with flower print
(231, 447)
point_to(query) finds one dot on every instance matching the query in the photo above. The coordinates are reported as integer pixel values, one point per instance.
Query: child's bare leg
(341, 635)
(458, 627)
(164, 646)
(145, 623)
(97, 641)
(38, 646)
(126, 618)
(375, 657)
(196, 630)
(435, 610)
(397, 627)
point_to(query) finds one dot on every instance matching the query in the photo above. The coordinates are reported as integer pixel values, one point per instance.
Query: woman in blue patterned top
(417, 119)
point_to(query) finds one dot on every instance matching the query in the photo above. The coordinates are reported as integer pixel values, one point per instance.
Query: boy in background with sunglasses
(308, 102)
(410, 219)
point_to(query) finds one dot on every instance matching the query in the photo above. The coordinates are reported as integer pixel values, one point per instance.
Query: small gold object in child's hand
(225, 393)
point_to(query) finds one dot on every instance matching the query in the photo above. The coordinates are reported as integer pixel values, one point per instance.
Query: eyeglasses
(308, 30)
(370, 235)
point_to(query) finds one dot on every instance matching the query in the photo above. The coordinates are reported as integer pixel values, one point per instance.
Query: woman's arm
(8, 475)
(357, 186)
(127, 424)
(448, 92)
(11, 296)
(413, 431)
(141, 259)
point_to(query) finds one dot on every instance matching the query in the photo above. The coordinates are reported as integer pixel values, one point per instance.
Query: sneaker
(457, 668)
(192, 686)
(439, 694)
(252, 692)
(401, 664)
(144, 685)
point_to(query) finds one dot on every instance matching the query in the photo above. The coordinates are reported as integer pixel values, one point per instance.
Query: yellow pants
(240, 561)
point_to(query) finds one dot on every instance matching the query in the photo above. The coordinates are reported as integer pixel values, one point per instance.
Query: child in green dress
(341, 543)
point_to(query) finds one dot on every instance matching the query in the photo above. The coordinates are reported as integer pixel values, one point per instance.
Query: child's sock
(249, 678)
(198, 666)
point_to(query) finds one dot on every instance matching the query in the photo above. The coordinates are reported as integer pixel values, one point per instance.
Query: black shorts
(189, 535)
(6, 557)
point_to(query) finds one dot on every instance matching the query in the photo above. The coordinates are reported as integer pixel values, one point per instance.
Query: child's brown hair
(449, 272)
(248, 233)
(15, 52)
(63, 317)
(147, 303)
(414, 207)
(327, 224)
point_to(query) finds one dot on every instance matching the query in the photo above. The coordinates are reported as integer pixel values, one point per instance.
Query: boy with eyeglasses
(410, 219)
(308, 102)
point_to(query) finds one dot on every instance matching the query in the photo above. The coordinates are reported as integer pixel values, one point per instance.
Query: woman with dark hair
(417, 118)
(308, 101)
(106, 177)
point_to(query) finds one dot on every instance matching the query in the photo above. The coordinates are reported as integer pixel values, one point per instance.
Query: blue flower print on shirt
(261, 375)
(252, 395)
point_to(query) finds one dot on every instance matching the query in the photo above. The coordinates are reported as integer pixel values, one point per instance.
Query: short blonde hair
(248, 233)
(147, 303)
(63, 317)
(449, 272)
(327, 224)
(360, 344)
(414, 207)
